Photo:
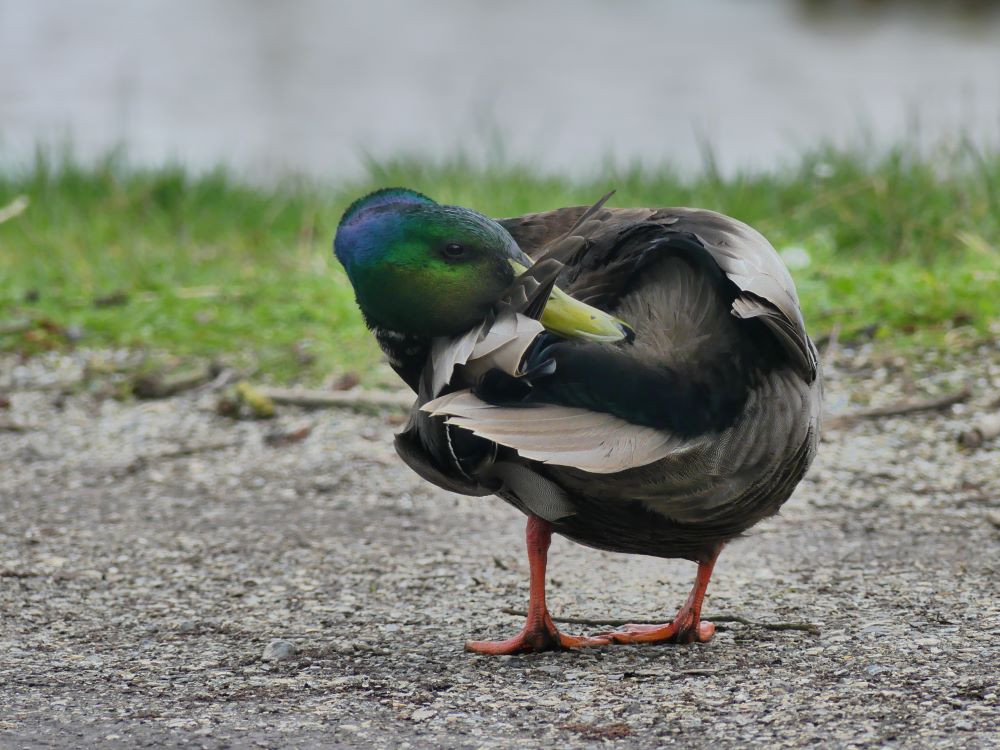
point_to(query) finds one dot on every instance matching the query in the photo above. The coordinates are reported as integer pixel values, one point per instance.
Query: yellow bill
(574, 319)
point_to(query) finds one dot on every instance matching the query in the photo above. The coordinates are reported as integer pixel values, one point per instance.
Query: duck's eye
(454, 251)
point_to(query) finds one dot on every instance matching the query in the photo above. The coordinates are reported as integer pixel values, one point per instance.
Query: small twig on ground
(980, 432)
(597, 623)
(806, 627)
(899, 408)
(190, 450)
(11, 573)
(356, 398)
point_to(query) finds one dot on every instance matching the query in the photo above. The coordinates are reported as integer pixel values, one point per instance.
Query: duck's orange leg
(687, 626)
(539, 632)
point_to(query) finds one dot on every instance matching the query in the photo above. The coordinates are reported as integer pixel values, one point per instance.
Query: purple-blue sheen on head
(384, 197)
(365, 223)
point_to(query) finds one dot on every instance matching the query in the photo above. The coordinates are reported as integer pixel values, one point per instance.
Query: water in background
(312, 85)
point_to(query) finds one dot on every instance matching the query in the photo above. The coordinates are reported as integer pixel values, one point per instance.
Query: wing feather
(590, 441)
(755, 267)
(500, 345)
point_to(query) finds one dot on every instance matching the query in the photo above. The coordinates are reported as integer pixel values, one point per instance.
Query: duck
(638, 380)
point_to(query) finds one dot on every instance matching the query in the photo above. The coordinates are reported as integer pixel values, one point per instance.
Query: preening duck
(637, 380)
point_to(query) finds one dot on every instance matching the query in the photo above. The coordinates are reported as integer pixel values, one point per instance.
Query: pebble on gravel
(279, 651)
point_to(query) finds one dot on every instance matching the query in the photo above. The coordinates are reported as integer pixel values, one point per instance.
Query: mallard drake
(637, 380)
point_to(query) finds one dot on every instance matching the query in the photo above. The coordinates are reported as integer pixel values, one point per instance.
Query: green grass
(208, 265)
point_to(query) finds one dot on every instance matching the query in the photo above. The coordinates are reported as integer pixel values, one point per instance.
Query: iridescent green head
(429, 270)
(421, 268)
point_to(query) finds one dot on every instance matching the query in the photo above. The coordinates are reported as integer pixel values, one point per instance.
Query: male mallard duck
(637, 380)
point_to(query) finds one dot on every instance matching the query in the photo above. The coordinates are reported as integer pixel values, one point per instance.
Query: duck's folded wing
(753, 265)
(590, 441)
(748, 260)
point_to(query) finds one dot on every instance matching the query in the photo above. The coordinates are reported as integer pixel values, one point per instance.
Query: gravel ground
(168, 578)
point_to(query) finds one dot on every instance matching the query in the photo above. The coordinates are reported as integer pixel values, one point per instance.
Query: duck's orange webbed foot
(687, 627)
(533, 637)
(681, 630)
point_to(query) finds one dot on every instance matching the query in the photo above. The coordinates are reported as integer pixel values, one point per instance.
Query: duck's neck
(407, 353)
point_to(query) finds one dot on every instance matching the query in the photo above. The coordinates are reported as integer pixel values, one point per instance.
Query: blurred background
(318, 87)
(172, 173)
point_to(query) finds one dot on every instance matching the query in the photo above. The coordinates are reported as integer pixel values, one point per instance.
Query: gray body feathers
(703, 292)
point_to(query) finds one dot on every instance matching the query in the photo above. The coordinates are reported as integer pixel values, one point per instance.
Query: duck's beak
(573, 319)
